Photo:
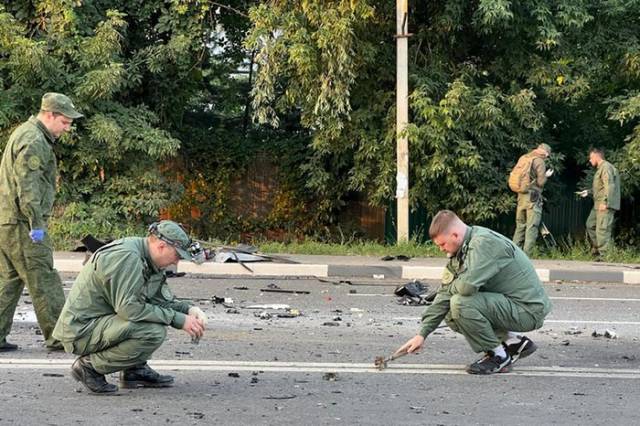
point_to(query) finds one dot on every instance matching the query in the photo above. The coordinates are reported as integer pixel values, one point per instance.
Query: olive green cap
(173, 234)
(57, 102)
(545, 147)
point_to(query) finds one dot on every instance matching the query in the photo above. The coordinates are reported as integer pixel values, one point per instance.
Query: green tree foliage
(488, 80)
(165, 89)
(317, 59)
(169, 88)
(138, 70)
(109, 161)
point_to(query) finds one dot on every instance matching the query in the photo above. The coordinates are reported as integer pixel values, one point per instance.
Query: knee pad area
(157, 332)
(463, 307)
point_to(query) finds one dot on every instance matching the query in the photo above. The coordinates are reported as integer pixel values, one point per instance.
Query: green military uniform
(488, 288)
(529, 207)
(119, 307)
(27, 191)
(606, 190)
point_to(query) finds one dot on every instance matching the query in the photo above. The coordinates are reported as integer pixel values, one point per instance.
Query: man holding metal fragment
(120, 305)
(490, 293)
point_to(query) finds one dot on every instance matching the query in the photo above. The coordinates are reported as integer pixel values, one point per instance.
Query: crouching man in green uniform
(490, 293)
(120, 305)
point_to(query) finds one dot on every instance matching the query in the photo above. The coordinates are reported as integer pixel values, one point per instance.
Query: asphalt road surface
(262, 366)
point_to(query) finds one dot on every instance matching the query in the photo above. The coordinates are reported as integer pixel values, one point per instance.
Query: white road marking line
(605, 299)
(598, 299)
(371, 295)
(315, 367)
(567, 321)
(593, 322)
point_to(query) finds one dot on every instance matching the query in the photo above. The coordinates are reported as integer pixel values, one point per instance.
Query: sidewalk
(372, 267)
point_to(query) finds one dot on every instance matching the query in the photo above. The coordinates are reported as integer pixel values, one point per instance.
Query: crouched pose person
(120, 305)
(490, 294)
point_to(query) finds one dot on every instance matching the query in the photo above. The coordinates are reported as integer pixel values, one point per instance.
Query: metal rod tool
(381, 362)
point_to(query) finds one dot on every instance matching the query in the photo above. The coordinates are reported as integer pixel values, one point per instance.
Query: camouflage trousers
(599, 229)
(485, 318)
(23, 262)
(528, 218)
(115, 344)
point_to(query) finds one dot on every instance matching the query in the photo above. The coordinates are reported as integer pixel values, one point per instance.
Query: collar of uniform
(601, 165)
(47, 134)
(462, 251)
(147, 256)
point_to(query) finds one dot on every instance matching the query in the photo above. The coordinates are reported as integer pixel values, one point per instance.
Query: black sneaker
(83, 371)
(490, 364)
(53, 345)
(143, 376)
(522, 349)
(7, 347)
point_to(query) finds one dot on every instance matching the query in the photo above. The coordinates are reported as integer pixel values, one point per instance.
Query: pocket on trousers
(38, 256)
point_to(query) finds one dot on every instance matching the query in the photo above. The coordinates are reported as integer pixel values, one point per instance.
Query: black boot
(143, 376)
(7, 347)
(83, 371)
(53, 345)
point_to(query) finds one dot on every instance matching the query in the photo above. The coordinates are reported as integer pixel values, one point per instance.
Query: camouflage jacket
(606, 186)
(538, 169)
(28, 176)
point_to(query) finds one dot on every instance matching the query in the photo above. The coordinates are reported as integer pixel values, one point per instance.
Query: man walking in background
(606, 200)
(27, 191)
(527, 179)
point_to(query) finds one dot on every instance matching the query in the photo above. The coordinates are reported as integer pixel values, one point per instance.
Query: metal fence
(565, 217)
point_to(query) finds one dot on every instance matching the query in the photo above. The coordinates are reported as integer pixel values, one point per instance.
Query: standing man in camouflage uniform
(529, 205)
(120, 305)
(490, 293)
(27, 191)
(606, 200)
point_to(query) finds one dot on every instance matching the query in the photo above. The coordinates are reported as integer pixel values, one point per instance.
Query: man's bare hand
(198, 313)
(413, 345)
(602, 207)
(193, 326)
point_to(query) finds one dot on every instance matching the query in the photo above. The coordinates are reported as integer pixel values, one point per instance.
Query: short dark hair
(441, 222)
(598, 151)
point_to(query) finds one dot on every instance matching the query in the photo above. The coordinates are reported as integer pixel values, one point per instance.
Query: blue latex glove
(37, 235)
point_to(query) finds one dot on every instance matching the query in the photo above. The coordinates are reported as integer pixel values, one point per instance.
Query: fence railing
(565, 217)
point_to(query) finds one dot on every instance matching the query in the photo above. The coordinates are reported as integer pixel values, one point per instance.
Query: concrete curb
(407, 272)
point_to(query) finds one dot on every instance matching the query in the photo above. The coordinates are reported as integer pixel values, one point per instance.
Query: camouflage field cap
(174, 234)
(57, 102)
(545, 147)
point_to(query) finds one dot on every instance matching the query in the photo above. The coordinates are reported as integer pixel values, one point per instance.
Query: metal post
(402, 118)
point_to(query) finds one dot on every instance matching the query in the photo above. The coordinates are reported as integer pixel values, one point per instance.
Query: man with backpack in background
(527, 179)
